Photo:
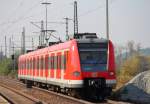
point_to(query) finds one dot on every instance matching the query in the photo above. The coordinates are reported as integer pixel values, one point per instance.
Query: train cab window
(93, 57)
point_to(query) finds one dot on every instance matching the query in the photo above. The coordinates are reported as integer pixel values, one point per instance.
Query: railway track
(14, 96)
(3, 100)
(47, 96)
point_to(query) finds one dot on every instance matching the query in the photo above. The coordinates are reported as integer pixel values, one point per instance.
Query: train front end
(97, 66)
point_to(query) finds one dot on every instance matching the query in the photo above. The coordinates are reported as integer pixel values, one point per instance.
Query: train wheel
(74, 93)
(29, 84)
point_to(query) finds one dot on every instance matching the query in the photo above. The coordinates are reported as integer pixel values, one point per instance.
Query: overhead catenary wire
(95, 9)
(12, 13)
(22, 17)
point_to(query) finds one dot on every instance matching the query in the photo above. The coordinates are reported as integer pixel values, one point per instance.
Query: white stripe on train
(63, 82)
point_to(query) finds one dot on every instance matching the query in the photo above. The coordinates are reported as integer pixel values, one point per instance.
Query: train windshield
(93, 57)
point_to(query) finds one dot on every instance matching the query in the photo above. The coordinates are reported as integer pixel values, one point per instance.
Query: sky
(129, 19)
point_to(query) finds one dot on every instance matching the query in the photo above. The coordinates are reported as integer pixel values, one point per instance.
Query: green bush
(6, 66)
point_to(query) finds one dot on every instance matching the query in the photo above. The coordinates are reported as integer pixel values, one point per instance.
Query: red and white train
(87, 64)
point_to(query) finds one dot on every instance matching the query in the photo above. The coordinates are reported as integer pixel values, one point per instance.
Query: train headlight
(76, 73)
(111, 73)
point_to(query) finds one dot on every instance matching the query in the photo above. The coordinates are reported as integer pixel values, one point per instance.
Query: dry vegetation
(130, 62)
(131, 67)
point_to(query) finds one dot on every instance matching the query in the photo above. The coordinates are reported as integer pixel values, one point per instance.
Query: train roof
(54, 47)
(97, 40)
(62, 46)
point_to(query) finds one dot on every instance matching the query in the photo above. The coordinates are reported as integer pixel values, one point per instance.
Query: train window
(38, 63)
(25, 64)
(44, 58)
(28, 64)
(49, 62)
(65, 59)
(93, 45)
(41, 63)
(46, 61)
(58, 62)
(62, 62)
(52, 62)
(93, 60)
(55, 62)
(22, 65)
(33, 63)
